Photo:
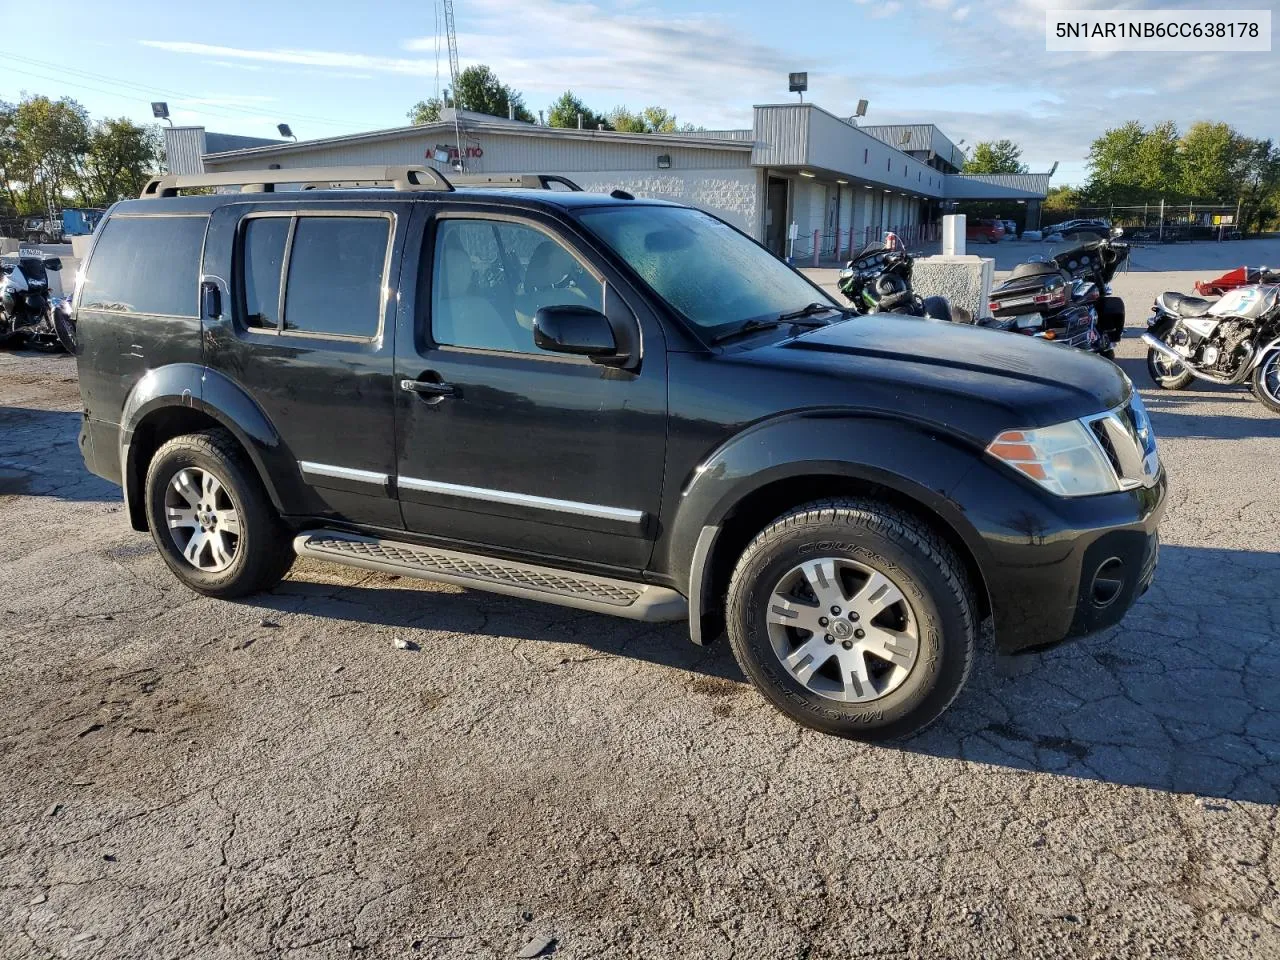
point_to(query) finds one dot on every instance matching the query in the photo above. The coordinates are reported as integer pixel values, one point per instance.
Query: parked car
(992, 231)
(1081, 230)
(624, 406)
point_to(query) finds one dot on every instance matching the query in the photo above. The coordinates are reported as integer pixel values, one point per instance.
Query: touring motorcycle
(878, 280)
(1067, 298)
(27, 311)
(1230, 341)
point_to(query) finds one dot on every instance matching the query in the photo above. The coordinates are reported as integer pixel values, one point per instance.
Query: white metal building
(797, 163)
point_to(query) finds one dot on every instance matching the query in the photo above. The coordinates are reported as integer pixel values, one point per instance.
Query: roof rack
(527, 181)
(397, 176)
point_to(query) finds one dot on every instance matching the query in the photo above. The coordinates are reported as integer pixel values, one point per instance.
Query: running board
(619, 598)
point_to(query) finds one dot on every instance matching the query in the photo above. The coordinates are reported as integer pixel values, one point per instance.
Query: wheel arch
(187, 398)
(743, 488)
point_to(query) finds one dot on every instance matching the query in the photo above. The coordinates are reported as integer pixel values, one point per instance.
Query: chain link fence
(1157, 222)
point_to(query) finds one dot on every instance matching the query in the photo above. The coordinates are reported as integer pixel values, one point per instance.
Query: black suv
(625, 406)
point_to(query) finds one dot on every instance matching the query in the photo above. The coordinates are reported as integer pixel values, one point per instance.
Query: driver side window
(490, 277)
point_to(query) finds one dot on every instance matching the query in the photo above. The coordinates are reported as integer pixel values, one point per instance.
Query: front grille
(1126, 437)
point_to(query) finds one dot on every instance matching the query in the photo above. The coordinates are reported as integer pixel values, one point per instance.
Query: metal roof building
(838, 183)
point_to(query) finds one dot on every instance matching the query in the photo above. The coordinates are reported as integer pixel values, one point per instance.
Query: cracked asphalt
(185, 777)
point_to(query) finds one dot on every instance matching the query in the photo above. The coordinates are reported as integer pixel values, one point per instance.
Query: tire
(255, 558)
(65, 328)
(932, 628)
(1265, 381)
(1166, 381)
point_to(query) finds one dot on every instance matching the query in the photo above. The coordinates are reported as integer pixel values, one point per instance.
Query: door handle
(430, 390)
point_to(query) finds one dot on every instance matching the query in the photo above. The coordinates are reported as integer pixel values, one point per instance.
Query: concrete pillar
(953, 229)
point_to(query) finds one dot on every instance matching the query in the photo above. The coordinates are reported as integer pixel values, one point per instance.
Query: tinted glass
(147, 265)
(262, 259)
(336, 268)
(706, 270)
(491, 277)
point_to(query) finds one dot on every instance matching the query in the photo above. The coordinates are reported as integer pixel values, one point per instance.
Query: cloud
(710, 69)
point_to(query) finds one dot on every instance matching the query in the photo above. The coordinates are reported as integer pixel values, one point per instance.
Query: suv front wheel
(211, 518)
(853, 618)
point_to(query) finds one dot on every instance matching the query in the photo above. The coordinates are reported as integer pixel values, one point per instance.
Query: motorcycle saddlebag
(1036, 291)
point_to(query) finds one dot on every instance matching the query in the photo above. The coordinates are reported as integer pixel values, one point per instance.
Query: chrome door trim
(312, 469)
(596, 510)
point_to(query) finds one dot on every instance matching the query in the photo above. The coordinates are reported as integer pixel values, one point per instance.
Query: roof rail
(397, 176)
(527, 181)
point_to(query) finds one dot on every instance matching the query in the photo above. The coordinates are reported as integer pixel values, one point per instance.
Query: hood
(956, 373)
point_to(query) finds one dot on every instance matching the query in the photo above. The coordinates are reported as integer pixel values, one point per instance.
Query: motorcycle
(1239, 277)
(27, 312)
(1228, 341)
(878, 280)
(1066, 299)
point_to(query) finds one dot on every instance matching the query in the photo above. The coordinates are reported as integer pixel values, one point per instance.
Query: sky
(976, 68)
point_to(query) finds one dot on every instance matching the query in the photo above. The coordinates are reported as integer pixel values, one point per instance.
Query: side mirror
(1117, 231)
(581, 331)
(54, 264)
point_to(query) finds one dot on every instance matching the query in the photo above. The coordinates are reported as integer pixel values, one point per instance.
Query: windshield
(713, 275)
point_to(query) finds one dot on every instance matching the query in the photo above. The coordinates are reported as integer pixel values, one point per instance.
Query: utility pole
(451, 35)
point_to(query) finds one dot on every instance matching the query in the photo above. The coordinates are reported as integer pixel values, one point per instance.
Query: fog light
(1108, 582)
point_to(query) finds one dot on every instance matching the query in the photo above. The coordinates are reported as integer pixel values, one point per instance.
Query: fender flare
(795, 446)
(1264, 352)
(195, 387)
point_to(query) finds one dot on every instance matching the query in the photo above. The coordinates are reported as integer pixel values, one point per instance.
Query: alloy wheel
(203, 520)
(844, 630)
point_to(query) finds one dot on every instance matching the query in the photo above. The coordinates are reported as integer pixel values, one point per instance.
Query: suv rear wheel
(853, 618)
(211, 518)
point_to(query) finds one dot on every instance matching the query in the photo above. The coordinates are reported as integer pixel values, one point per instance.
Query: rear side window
(146, 265)
(264, 240)
(335, 270)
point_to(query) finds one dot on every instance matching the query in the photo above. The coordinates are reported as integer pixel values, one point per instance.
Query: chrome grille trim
(1116, 434)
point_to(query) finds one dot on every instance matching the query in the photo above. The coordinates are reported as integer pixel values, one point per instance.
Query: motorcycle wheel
(1163, 372)
(65, 328)
(1265, 382)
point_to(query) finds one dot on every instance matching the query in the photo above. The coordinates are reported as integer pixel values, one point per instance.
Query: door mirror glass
(578, 330)
(53, 264)
(1117, 231)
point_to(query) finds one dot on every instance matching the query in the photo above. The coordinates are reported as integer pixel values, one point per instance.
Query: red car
(991, 231)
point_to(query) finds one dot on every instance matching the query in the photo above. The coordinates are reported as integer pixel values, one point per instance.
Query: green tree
(478, 89)
(53, 136)
(1158, 163)
(1061, 199)
(996, 156)
(121, 156)
(1131, 164)
(1212, 156)
(653, 119)
(565, 111)
(427, 111)
(1259, 183)
(10, 150)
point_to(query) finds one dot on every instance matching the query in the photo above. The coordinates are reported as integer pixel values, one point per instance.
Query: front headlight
(1064, 459)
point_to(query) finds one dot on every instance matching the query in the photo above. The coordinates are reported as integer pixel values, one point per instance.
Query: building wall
(719, 181)
(733, 195)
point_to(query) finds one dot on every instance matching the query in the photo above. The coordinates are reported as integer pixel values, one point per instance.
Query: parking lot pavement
(195, 778)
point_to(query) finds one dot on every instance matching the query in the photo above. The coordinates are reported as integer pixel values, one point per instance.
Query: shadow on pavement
(40, 457)
(1180, 697)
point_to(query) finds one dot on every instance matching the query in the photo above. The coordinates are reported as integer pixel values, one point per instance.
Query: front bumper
(1058, 567)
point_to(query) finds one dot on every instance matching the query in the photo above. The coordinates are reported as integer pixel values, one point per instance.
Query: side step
(620, 598)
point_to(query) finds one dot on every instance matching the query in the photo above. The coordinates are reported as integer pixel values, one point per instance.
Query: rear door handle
(432, 391)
